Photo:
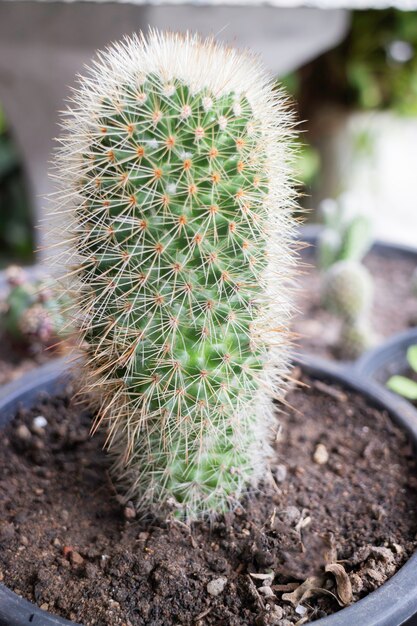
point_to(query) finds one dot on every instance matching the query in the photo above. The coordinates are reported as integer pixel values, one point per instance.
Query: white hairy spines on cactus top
(174, 180)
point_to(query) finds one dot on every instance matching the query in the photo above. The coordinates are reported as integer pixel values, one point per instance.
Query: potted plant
(389, 360)
(391, 268)
(175, 173)
(33, 324)
(345, 298)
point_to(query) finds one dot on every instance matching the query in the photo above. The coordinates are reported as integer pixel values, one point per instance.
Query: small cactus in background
(174, 169)
(30, 314)
(355, 337)
(346, 234)
(347, 288)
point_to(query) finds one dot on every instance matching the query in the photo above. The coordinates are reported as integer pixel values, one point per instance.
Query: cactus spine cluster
(174, 172)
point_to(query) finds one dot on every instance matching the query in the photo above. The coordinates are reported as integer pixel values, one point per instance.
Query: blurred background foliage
(374, 68)
(16, 221)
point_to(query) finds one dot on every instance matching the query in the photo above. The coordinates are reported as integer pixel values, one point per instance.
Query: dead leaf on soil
(311, 587)
(296, 596)
(343, 585)
(286, 587)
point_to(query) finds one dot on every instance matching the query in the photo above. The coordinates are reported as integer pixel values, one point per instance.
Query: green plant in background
(402, 385)
(307, 164)
(16, 226)
(31, 314)
(381, 69)
(348, 290)
(374, 68)
(347, 287)
(174, 168)
(346, 233)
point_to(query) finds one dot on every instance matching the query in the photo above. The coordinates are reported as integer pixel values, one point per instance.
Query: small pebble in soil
(216, 587)
(276, 614)
(320, 456)
(291, 515)
(272, 616)
(23, 432)
(39, 423)
(280, 473)
(76, 558)
(129, 511)
(266, 591)
(300, 609)
(7, 531)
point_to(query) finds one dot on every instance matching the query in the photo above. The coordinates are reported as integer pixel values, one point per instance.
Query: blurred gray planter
(43, 45)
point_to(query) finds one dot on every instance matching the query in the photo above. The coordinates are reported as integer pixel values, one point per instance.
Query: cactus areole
(175, 195)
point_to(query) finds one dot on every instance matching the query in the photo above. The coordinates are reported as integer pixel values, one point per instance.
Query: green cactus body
(173, 217)
(348, 290)
(346, 235)
(355, 337)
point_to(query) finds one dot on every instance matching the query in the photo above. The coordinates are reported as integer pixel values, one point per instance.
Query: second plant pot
(390, 265)
(388, 359)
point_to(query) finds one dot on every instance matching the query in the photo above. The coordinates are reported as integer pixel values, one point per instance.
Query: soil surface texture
(334, 520)
(394, 306)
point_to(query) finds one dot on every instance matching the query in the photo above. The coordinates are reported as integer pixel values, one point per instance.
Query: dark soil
(349, 505)
(16, 359)
(394, 308)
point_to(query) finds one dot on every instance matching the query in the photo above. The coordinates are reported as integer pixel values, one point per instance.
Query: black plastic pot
(387, 359)
(393, 604)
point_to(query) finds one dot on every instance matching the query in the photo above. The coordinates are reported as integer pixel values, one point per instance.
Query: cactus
(174, 171)
(348, 290)
(31, 314)
(346, 235)
(355, 337)
(347, 287)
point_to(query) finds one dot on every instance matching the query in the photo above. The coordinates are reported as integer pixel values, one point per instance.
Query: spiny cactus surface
(173, 170)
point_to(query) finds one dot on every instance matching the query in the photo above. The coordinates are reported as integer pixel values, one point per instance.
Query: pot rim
(389, 605)
(371, 361)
